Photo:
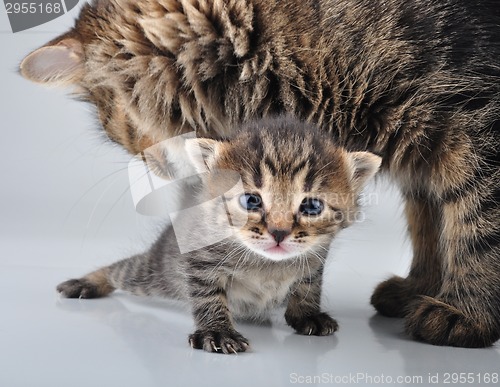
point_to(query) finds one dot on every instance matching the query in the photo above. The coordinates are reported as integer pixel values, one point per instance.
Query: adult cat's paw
(391, 297)
(320, 324)
(438, 323)
(227, 341)
(78, 288)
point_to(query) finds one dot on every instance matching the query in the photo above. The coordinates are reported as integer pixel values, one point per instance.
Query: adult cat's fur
(276, 256)
(415, 81)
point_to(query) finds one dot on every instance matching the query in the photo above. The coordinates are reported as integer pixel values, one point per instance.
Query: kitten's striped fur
(415, 81)
(283, 161)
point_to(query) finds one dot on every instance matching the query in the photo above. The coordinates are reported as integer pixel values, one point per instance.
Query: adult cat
(416, 81)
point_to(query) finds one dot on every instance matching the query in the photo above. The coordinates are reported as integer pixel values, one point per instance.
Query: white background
(66, 209)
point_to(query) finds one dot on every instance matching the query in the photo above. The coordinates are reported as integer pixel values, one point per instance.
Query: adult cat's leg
(303, 311)
(391, 297)
(466, 311)
(465, 183)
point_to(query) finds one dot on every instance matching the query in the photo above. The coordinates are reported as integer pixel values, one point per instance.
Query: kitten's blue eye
(311, 207)
(251, 202)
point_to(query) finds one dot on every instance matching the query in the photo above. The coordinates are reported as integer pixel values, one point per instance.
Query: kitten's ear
(202, 152)
(58, 63)
(364, 166)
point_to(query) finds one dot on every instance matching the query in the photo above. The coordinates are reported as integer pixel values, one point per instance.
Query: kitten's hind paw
(78, 288)
(226, 341)
(320, 324)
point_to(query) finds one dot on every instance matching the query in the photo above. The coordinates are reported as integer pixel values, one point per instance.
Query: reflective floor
(125, 340)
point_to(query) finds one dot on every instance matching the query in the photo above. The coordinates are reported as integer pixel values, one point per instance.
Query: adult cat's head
(157, 69)
(299, 188)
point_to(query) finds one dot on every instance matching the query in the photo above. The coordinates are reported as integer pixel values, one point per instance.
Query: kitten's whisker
(309, 282)
(90, 189)
(129, 187)
(95, 208)
(120, 197)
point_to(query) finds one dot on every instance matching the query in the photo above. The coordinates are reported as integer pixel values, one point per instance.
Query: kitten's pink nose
(279, 235)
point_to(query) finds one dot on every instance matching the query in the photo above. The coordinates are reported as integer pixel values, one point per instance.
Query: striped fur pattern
(276, 258)
(415, 81)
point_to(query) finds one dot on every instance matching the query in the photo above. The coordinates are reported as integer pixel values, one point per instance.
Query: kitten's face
(299, 189)
(284, 220)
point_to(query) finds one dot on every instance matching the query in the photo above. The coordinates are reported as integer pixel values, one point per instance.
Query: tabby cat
(299, 190)
(415, 81)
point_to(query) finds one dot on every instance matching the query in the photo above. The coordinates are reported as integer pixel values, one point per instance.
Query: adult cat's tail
(140, 274)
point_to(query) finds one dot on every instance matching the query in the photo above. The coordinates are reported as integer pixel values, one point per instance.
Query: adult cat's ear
(202, 152)
(55, 64)
(364, 165)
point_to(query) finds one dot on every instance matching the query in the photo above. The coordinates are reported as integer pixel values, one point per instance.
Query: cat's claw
(227, 342)
(216, 349)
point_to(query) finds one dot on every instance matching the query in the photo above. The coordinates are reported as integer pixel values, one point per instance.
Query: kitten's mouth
(278, 249)
(275, 252)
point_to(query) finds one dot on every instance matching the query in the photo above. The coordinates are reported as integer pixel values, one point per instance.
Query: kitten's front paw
(227, 342)
(320, 324)
(78, 288)
(438, 323)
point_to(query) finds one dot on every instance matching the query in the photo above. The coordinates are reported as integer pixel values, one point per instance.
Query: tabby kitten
(415, 81)
(299, 191)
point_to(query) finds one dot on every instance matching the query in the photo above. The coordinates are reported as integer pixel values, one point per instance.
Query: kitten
(300, 189)
(414, 81)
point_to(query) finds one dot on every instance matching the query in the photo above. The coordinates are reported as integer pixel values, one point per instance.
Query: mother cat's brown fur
(415, 81)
